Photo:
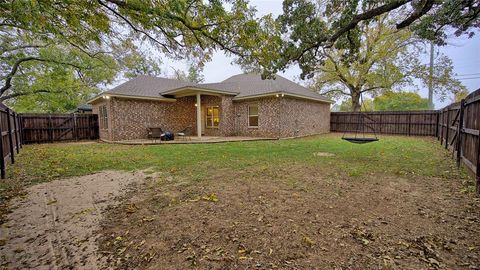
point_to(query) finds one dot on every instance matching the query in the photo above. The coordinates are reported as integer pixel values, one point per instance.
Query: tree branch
(333, 91)
(8, 78)
(18, 94)
(419, 12)
(352, 24)
(132, 25)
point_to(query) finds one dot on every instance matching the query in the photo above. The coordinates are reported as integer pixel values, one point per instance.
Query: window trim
(249, 115)
(213, 116)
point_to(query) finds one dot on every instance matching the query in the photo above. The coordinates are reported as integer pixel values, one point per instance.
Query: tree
(382, 62)
(307, 27)
(459, 95)
(194, 74)
(121, 38)
(366, 106)
(386, 59)
(400, 101)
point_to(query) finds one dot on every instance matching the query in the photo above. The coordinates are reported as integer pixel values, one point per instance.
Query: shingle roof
(253, 85)
(246, 85)
(147, 86)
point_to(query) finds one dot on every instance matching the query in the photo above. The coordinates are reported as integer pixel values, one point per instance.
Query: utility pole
(430, 81)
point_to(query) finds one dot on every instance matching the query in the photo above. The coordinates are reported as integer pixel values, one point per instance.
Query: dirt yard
(234, 221)
(55, 225)
(243, 221)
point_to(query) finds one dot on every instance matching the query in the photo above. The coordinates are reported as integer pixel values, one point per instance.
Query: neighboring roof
(243, 86)
(85, 107)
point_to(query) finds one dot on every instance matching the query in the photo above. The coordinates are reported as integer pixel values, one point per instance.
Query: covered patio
(191, 140)
(207, 114)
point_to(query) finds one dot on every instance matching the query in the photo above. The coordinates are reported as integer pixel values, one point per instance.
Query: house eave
(281, 94)
(108, 95)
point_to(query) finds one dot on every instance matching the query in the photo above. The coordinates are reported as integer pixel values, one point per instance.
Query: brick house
(242, 105)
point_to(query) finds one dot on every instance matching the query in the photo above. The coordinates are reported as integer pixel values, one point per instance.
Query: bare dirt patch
(296, 219)
(54, 225)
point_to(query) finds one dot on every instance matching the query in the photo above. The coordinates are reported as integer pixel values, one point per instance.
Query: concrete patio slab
(191, 140)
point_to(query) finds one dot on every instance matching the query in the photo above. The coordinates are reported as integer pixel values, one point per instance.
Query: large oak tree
(70, 46)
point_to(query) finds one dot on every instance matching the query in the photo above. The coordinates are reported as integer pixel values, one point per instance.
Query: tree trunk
(356, 106)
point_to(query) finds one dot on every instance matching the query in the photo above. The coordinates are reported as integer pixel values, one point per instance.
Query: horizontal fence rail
(47, 128)
(456, 126)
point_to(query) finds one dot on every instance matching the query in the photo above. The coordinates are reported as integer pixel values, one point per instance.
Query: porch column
(199, 117)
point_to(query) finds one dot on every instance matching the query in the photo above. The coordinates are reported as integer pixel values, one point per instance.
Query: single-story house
(242, 105)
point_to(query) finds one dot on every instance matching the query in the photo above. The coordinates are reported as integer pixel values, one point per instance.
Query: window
(253, 116)
(103, 115)
(213, 116)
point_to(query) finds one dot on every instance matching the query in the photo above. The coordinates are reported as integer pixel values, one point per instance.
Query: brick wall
(104, 133)
(283, 117)
(300, 117)
(268, 109)
(278, 117)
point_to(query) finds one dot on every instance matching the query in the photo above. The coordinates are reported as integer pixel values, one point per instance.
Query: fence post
(2, 160)
(447, 128)
(10, 139)
(409, 122)
(441, 128)
(50, 129)
(22, 137)
(75, 128)
(15, 127)
(436, 127)
(459, 132)
(478, 166)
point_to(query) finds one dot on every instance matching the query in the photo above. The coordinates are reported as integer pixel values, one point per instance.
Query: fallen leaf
(131, 208)
(51, 202)
(211, 198)
(307, 240)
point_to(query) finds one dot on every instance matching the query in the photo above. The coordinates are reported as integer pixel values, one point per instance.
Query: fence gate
(42, 128)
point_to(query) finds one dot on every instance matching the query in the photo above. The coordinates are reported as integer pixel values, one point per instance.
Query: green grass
(284, 160)
(391, 155)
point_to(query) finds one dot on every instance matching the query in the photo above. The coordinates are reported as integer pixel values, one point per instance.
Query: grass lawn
(402, 156)
(397, 203)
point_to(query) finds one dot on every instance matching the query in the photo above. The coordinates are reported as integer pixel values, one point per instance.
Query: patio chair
(155, 133)
(185, 133)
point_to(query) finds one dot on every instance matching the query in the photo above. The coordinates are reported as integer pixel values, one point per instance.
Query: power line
(462, 75)
(473, 78)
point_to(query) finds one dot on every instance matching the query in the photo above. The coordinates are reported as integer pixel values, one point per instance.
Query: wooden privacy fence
(459, 130)
(415, 123)
(456, 126)
(18, 129)
(43, 128)
(10, 137)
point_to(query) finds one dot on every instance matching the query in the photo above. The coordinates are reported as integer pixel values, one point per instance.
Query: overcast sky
(464, 52)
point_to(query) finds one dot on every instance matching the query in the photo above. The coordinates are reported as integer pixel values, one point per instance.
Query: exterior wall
(283, 117)
(300, 117)
(268, 115)
(130, 118)
(278, 117)
(104, 133)
(227, 113)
